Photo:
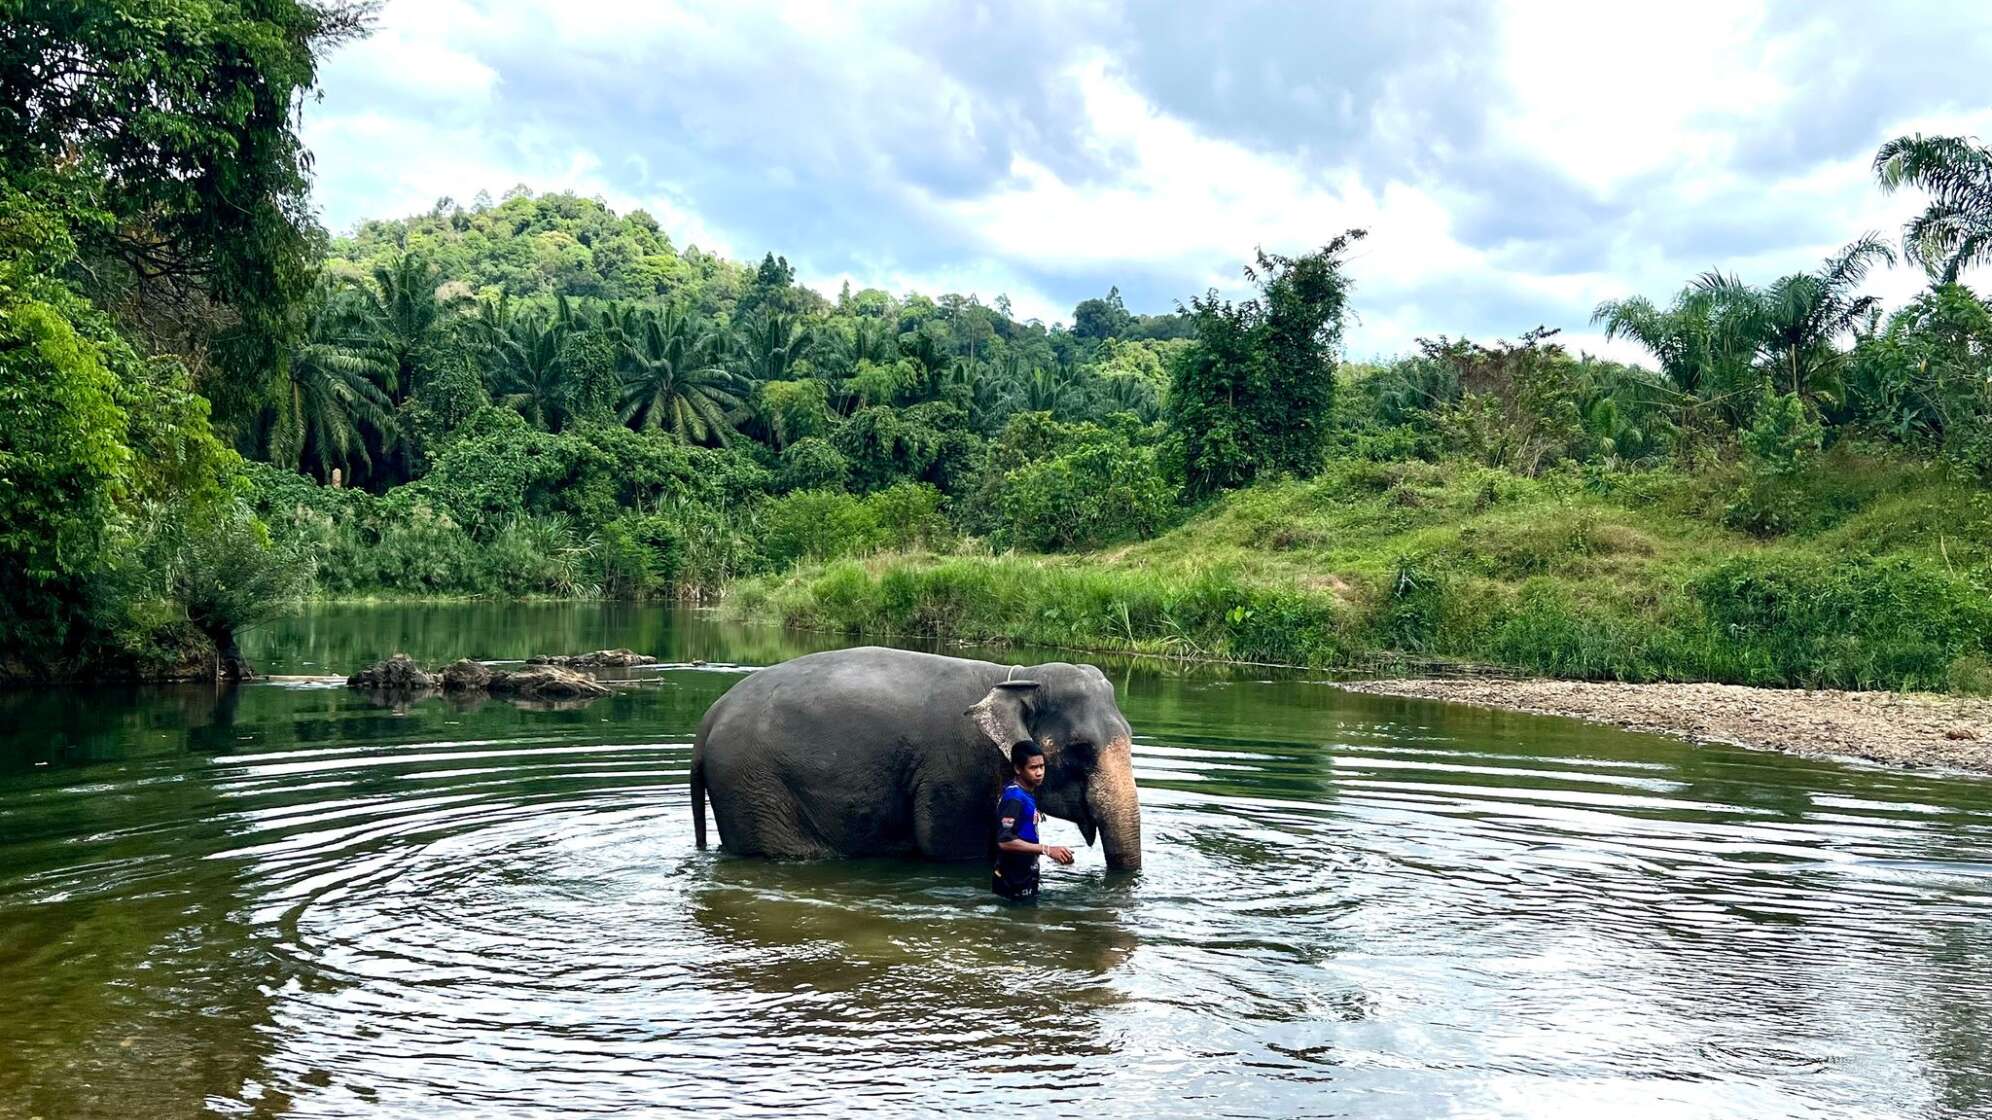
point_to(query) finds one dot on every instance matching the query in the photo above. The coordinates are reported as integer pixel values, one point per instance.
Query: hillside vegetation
(209, 408)
(1586, 574)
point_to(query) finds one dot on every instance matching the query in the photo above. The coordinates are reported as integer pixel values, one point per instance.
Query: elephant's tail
(698, 798)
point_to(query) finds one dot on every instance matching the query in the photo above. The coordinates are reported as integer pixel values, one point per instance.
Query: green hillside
(1578, 573)
(210, 409)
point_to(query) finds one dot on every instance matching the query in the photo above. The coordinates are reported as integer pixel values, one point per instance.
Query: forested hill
(208, 411)
(525, 288)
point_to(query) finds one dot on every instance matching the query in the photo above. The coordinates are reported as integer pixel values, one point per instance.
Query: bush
(1780, 441)
(636, 556)
(1088, 497)
(1861, 623)
(815, 525)
(829, 524)
(908, 516)
(536, 556)
(812, 464)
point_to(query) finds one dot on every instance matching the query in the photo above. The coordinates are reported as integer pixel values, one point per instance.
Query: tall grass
(1589, 577)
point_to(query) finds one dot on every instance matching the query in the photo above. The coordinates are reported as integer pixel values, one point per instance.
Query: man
(1017, 817)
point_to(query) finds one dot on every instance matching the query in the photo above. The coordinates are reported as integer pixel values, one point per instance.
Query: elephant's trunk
(1110, 801)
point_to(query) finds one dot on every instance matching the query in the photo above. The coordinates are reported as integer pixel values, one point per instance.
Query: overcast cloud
(1514, 164)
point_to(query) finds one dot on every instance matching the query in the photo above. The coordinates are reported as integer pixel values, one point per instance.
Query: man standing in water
(1017, 817)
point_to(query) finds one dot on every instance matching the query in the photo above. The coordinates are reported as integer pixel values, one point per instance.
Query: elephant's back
(846, 697)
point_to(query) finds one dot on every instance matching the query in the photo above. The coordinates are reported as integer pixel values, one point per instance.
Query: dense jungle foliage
(208, 407)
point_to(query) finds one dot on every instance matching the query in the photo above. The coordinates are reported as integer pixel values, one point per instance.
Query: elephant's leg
(772, 823)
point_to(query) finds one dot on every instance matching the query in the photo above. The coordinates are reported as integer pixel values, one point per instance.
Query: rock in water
(396, 674)
(465, 675)
(401, 678)
(546, 682)
(600, 659)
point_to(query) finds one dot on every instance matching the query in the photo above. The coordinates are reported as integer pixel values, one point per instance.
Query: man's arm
(1007, 815)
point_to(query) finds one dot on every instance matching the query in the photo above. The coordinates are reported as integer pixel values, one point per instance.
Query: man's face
(1032, 774)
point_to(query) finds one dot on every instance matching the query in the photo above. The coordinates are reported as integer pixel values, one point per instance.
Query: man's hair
(1023, 753)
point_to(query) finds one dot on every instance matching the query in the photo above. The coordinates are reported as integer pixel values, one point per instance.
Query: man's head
(1028, 761)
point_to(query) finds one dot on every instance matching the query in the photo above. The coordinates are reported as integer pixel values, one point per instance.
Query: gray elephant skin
(888, 752)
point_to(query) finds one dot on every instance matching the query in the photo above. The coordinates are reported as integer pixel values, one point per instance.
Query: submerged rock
(600, 659)
(396, 674)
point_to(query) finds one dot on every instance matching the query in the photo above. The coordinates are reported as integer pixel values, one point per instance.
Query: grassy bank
(1879, 582)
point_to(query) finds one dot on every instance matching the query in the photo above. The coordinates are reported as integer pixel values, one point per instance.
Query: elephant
(888, 752)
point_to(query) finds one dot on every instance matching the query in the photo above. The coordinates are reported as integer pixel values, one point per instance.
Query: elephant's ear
(1000, 715)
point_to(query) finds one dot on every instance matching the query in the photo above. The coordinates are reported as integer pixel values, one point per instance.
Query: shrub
(531, 555)
(1860, 623)
(908, 516)
(1094, 495)
(637, 555)
(815, 525)
(812, 464)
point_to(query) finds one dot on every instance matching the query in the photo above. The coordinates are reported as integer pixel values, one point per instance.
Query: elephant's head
(1069, 712)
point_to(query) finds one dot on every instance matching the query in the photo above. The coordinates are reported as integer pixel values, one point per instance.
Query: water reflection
(281, 899)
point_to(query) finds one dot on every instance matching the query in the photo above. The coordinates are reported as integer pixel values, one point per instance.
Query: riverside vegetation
(208, 407)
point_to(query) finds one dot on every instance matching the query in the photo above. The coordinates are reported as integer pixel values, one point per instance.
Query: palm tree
(674, 382)
(771, 345)
(1129, 392)
(1954, 232)
(1044, 390)
(1800, 316)
(1719, 329)
(976, 389)
(331, 393)
(1702, 340)
(402, 312)
(530, 375)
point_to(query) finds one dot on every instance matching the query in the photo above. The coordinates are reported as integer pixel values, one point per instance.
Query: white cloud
(1048, 151)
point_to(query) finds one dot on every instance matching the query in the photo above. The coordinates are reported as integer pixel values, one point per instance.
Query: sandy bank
(1902, 729)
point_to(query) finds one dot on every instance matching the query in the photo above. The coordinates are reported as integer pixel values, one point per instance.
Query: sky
(1514, 164)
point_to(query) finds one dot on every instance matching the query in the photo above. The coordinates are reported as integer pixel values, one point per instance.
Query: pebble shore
(1900, 729)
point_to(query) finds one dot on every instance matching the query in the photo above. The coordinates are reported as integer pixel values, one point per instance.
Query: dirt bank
(1902, 729)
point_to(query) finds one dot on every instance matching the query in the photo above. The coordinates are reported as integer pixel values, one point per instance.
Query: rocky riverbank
(1901, 729)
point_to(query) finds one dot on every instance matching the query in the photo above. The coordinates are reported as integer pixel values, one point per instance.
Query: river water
(283, 900)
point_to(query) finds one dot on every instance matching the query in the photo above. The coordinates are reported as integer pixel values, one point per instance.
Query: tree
(165, 138)
(1800, 317)
(1253, 396)
(673, 382)
(1928, 376)
(771, 345)
(529, 376)
(1045, 390)
(1720, 329)
(66, 462)
(1705, 341)
(772, 291)
(795, 410)
(404, 315)
(1101, 318)
(1954, 232)
(332, 400)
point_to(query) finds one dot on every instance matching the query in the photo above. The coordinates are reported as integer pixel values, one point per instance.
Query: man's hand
(1058, 854)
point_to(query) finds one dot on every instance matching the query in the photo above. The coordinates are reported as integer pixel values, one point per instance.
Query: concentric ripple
(286, 901)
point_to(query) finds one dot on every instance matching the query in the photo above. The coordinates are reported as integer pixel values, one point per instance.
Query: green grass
(1629, 576)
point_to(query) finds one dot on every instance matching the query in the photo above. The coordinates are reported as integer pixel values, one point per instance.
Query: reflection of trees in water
(129, 983)
(901, 959)
(70, 726)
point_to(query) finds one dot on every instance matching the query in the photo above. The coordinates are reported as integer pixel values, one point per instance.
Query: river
(281, 899)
